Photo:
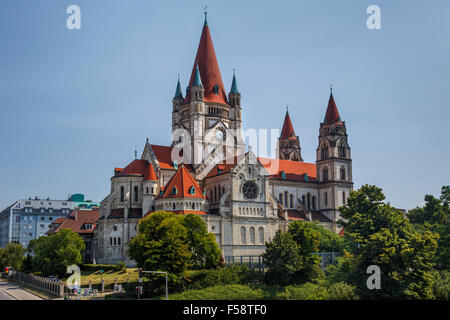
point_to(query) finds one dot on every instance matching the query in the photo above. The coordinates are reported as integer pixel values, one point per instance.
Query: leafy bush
(234, 274)
(227, 292)
(98, 267)
(314, 291)
(122, 266)
(441, 285)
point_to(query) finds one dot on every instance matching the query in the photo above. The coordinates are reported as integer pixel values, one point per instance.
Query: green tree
(282, 257)
(329, 240)
(54, 253)
(434, 216)
(173, 243)
(381, 236)
(205, 253)
(12, 256)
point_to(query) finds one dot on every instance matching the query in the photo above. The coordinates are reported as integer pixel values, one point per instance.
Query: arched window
(136, 194)
(342, 150)
(220, 192)
(174, 191)
(118, 241)
(146, 190)
(110, 241)
(304, 200)
(325, 174)
(309, 200)
(243, 236)
(211, 195)
(215, 194)
(314, 202)
(324, 152)
(192, 190)
(122, 194)
(325, 198)
(343, 173)
(223, 190)
(291, 200)
(343, 197)
(285, 199)
(115, 241)
(252, 235)
(261, 235)
(249, 170)
(193, 206)
(173, 206)
(216, 89)
(280, 198)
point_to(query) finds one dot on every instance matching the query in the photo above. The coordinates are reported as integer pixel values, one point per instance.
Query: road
(9, 291)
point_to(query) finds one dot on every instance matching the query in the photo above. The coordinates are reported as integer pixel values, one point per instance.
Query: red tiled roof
(117, 213)
(149, 174)
(76, 221)
(332, 115)
(190, 212)
(223, 168)
(288, 129)
(296, 215)
(209, 70)
(182, 181)
(294, 170)
(164, 156)
(136, 167)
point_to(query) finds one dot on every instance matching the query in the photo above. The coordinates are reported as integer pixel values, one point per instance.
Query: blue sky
(77, 103)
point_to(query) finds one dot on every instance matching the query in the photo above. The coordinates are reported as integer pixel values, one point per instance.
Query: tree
(205, 253)
(282, 257)
(54, 253)
(291, 256)
(381, 236)
(434, 216)
(12, 256)
(329, 240)
(173, 243)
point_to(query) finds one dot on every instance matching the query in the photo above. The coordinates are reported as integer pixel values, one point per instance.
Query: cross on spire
(205, 8)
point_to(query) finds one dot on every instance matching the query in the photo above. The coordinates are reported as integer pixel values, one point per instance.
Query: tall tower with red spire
(333, 163)
(206, 112)
(288, 142)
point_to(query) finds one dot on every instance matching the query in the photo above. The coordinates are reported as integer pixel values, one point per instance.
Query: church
(206, 170)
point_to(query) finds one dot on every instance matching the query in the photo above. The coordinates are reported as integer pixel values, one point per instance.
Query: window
(42, 218)
(341, 150)
(173, 206)
(261, 235)
(324, 152)
(115, 241)
(280, 198)
(325, 198)
(136, 194)
(110, 241)
(243, 236)
(304, 200)
(122, 194)
(250, 190)
(343, 197)
(50, 218)
(146, 190)
(285, 199)
(216, 89)
(192, 190)
(291, 198)
(325, 174)
(343, 173)
(174, 191)
(314, 202)
(252, 235)
(118, 241)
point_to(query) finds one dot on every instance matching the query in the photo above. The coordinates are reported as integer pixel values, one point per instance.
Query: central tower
(206, 113)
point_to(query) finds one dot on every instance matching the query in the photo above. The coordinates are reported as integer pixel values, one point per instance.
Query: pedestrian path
(10, 291)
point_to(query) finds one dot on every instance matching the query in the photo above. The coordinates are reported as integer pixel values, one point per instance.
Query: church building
(243, 199)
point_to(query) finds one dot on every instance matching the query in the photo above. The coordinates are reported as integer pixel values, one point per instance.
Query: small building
(82, 222)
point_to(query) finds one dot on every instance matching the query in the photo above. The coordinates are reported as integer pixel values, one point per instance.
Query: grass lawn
(110, 276)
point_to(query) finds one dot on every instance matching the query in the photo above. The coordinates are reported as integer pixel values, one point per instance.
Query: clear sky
(77, 103)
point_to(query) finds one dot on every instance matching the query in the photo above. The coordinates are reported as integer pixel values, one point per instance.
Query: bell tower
(333, 164)
(288, 142)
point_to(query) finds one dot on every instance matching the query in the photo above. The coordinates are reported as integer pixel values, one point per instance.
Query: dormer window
(174, 191)
(192, 190)
(216, 89)
(283, 175)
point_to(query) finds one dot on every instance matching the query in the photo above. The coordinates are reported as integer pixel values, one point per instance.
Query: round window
(250, 190)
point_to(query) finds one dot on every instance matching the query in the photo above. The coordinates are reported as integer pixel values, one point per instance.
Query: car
(53, 278)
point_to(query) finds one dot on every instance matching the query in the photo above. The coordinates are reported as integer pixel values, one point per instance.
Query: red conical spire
(209, 70)
(288, 129)
(332, 115)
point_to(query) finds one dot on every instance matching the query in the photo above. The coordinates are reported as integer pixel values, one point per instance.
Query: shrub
(227, 292)
(98, 267)
(234, 274)
(123, 266)
(341, 291)
(441, 285)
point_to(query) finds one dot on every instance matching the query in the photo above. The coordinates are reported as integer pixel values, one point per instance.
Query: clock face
(250, 190)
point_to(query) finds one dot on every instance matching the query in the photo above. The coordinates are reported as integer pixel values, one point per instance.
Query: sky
(75, 104)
